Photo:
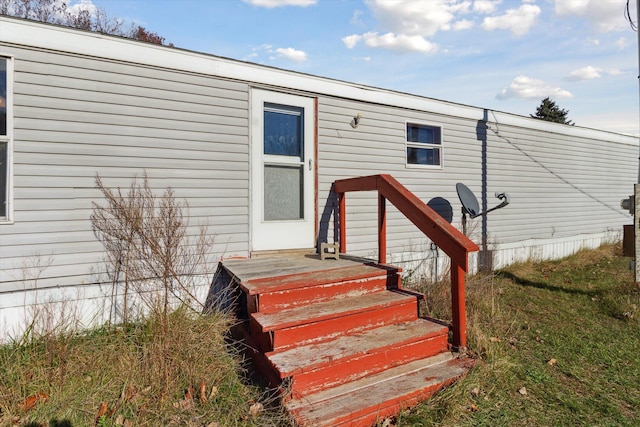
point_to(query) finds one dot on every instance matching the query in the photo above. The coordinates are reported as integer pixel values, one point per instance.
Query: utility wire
(627, 15)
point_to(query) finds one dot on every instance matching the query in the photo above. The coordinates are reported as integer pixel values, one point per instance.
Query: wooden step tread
(372, 381)
(362, 402)
(303, 359)
(330, 309)
(315, 278)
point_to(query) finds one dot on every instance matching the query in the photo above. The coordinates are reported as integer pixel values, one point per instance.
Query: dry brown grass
(482, 296)
(164, 364)
(118, 377)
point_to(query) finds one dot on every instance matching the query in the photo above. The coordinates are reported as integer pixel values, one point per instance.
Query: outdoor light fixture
(356, 121)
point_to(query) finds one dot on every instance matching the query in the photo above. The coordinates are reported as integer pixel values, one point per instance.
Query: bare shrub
(148, 246)
(45, 314)
(150, 252)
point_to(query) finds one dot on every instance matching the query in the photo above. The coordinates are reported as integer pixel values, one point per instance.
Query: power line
(627, 15)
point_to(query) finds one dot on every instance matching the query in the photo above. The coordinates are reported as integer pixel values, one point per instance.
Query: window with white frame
(5, 139)
(424, 145)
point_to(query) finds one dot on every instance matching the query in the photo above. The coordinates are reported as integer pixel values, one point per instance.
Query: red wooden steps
(371, 399)
(353, 356)
(343, 340)
(273, 294)
(326, 320)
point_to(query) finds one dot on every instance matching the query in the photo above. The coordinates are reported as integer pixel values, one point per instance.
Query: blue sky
(503, 55)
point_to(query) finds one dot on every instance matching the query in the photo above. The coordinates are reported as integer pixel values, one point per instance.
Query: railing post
(382, 229)
(342, 217)
(458, 306)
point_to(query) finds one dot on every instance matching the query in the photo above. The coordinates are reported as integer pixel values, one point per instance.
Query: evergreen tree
(549, 111)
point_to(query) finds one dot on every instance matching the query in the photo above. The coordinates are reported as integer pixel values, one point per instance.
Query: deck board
(263, 267)
(377, 396)
(330, 309)
(311, 356)
(314, 278)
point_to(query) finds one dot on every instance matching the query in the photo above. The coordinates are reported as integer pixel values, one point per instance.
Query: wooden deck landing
(341, 339)
(288, 264)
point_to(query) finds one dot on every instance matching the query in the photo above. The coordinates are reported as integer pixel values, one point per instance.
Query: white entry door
(282, 174)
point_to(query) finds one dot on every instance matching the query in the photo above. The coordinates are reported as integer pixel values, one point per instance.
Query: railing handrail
(453, 242)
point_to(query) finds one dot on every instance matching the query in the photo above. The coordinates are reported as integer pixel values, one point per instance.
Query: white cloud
(518, 21)
(270, 4)
(572, 7)
(528, 88)
(485, 6)
(292, 54)
(605, 15)
(355, 18)
(275, 53)
(83, 5)
(408, 23)
(351, 41)
(590, 73)
(622, 43)
(463, 24)
(417, 17)
(391, 41)
(585, 73)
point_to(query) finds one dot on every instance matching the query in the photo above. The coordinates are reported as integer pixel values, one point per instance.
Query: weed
(151, 254)
(122, 370)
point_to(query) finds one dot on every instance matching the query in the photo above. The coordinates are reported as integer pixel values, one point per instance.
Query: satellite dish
(470, 203)
(468, 199)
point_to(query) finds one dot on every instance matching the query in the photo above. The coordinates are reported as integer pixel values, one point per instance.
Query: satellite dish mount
(470, 204)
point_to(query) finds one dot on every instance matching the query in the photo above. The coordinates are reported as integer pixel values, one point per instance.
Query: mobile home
(79, 104)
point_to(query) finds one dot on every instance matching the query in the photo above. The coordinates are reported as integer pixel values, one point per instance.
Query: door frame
(282, 235)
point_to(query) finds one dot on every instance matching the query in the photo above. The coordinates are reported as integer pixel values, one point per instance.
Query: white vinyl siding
(88, 103)
(560, 185)
(77, 117)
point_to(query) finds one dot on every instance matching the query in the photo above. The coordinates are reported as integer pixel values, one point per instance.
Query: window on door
(283, 162)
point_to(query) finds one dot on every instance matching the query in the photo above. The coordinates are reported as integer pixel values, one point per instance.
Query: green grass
(567, 332)
(581, 313)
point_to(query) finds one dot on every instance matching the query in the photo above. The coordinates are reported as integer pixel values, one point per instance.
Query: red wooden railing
(455, 244)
